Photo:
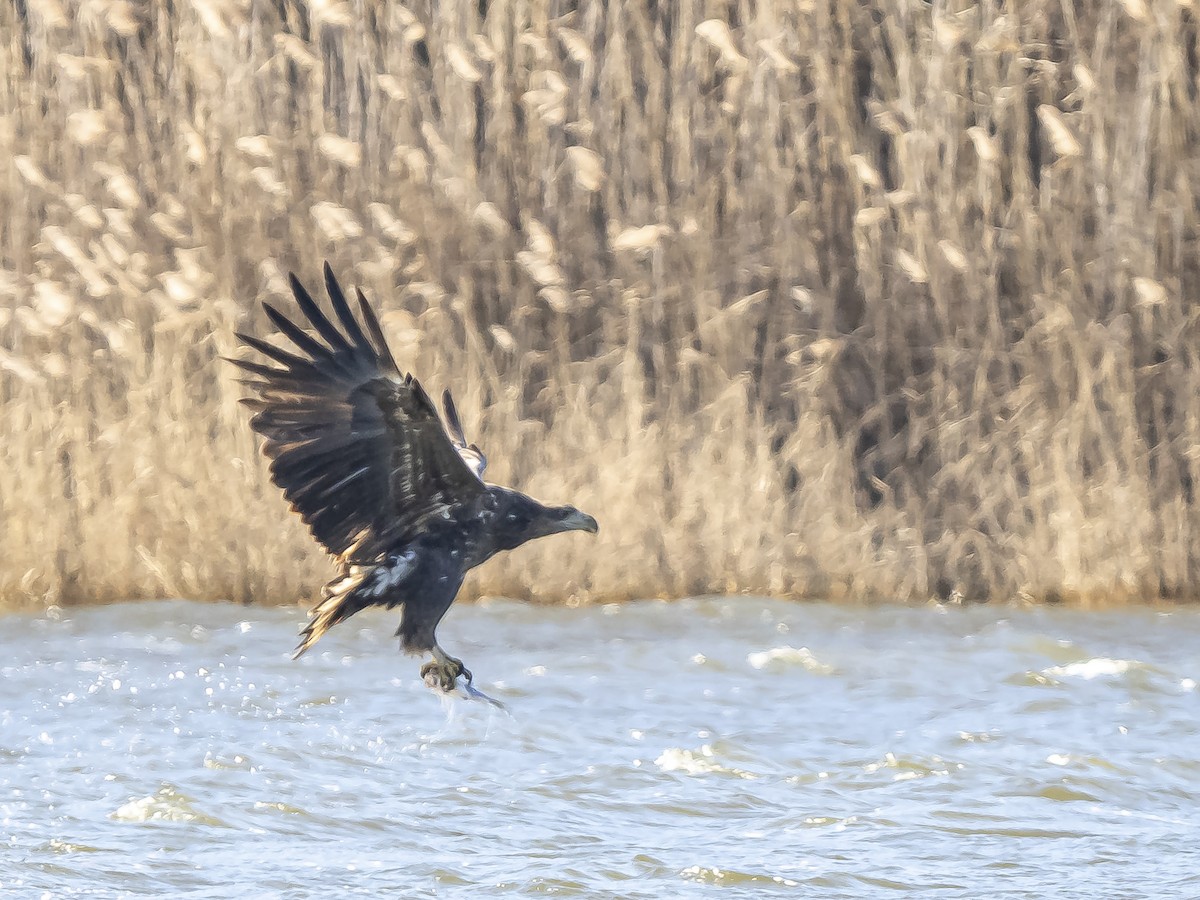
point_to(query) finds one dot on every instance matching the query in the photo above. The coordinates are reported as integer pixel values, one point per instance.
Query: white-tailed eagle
(390, 488)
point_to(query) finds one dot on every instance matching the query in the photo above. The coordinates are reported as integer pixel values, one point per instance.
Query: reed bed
(883, 300)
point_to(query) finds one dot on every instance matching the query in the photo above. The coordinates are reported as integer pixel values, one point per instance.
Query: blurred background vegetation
(882, 299)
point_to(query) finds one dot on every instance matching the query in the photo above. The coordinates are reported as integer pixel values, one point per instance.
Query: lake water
(730, 747)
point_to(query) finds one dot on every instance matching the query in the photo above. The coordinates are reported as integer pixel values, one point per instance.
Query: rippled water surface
(720, 747)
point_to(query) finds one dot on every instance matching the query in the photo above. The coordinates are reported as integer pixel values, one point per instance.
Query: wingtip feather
(318, 319)
(382, 350)
(452, 420)
(342, 308)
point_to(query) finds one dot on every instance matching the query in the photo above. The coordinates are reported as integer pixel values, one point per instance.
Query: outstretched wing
(357, 447)
(470, 453)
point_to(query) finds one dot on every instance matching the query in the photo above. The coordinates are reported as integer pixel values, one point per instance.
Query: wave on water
(715, 875)
(789, 657)
(164, 805)
(700, 762)
(1100, 667)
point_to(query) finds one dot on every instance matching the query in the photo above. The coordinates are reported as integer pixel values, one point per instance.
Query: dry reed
(831, 298)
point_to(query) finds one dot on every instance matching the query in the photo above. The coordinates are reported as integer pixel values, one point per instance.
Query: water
(727, 747)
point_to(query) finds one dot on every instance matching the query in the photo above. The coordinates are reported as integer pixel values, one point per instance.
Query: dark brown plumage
(391, 490)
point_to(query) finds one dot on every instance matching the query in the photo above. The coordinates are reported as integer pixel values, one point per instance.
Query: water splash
(788, 657)
(1100, 667)
(166, 804)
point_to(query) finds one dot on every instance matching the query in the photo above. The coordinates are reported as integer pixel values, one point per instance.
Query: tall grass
(887, 299)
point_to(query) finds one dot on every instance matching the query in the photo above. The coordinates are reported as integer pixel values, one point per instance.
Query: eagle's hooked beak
(574, 520)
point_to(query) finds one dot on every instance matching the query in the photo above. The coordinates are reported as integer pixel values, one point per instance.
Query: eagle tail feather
(355, 589)
(341, 601)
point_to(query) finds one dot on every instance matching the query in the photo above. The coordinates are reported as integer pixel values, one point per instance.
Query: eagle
(393, 491)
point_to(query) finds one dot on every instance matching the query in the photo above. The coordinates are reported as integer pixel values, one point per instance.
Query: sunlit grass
(800, 299)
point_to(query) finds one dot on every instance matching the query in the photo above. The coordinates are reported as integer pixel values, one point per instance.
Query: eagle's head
(522, 519)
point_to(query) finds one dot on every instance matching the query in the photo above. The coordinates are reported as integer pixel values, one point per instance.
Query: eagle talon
(440, 675)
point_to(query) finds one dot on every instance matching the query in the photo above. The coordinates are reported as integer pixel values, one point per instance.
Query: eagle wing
(356, 446)
(470, 453)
